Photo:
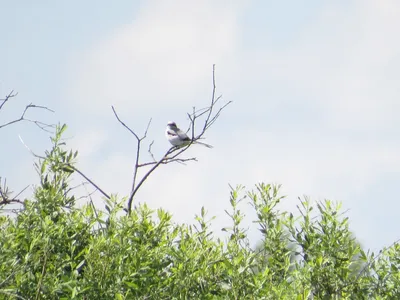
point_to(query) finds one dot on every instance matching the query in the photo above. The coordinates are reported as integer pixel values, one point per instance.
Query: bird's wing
(171, 133)
(182, 135)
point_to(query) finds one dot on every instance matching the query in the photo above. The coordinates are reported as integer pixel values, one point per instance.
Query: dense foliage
(54, 249)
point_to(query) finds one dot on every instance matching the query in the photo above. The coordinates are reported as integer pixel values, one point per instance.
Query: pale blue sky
(315, 91)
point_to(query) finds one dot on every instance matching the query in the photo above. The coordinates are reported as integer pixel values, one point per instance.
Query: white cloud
(345, 62)
(162, 59)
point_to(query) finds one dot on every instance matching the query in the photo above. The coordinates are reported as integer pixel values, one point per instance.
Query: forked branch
(39, 124)
(6, 195)
(208, 115)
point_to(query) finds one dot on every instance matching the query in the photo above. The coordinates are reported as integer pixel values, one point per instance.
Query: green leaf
(119, 296)
(131, 285)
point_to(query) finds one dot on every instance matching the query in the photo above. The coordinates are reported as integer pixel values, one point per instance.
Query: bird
(179, 138)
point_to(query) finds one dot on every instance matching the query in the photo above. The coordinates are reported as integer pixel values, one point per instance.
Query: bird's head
(171, 124)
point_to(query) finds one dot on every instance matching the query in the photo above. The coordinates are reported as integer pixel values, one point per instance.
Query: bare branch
(75, 187)
(23, 190)
(90, 181)
(39, 124)
(210, 118)
(210, 115)
(123, 124)
(88, 194)
(8, 97)
(213, 100)
(135, 189)
(215, 117)
(135, 170)
(151, 154)
(169, 160)
(29, 149)
(139, 140)
(5, 194)
(147, 129)
(72, 167)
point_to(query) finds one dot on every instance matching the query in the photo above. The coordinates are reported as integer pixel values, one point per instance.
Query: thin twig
(210, 118)
(136, 165)
(151, 154)
(6, 201)
(94, 209)
(168, 160)
(217, 115)
(29, 149)
(22, 117)
(82, 184)
(23, 190)
(90, 181)
(123, 124)
(5, 195)
(134, 191)
(212, 100)
(8, 97)
(71, 166)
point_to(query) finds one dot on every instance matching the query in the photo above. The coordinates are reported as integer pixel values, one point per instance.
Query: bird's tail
(204, 144)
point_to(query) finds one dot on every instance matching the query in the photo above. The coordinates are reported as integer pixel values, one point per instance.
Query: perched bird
(179, 138)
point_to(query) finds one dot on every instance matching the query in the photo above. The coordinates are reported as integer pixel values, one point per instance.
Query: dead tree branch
(138, 143)
(89, 180)
(5, 195)
(7, 98)
(72, 167)
(136, 188)
(210, 114)
(151, 154)
(39, 124)
(168, 160)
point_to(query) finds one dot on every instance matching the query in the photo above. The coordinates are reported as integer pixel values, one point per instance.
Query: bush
(54, 249)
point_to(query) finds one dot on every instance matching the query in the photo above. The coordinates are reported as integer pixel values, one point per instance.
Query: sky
(314, 90)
